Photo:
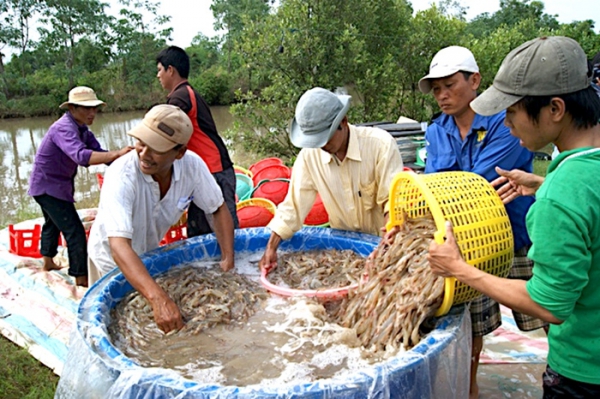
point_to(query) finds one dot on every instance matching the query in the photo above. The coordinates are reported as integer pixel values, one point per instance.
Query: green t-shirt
(564, 226)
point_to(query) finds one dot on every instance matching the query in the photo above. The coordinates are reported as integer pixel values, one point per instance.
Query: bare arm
(166, 312)
(99, 157)
(445, 260)
(224, 233)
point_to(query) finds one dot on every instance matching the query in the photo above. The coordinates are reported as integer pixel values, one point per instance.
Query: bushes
(214, 85)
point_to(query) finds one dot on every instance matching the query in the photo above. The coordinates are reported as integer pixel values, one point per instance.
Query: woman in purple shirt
(67, 144)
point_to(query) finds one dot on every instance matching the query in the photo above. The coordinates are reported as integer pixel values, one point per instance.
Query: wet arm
(224, 233)
(166, 312)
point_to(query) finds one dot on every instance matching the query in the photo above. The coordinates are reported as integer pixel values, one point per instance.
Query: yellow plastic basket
(480, 221)
(242, 170)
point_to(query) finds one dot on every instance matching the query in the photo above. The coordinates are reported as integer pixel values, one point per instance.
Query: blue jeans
(557, 386)
(61, 216)
(197, 223)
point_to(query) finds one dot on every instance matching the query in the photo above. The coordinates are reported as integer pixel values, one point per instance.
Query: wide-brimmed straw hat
(319, 113)
(83, 96)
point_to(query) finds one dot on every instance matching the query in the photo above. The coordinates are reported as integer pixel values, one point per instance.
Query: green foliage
(214, 85)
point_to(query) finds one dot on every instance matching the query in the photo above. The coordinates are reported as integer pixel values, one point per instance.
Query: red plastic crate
(100, 178)
(175, 233)
(25, 242)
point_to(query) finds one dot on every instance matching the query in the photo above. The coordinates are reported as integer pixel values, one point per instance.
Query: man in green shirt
(544, 85)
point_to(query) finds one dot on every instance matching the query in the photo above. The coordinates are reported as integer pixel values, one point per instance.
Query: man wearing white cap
(459, 139)
(69, 143)
(544, 85)
(144, 193)
(350, 167)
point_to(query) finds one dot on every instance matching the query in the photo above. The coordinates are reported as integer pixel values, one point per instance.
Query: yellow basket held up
(481, 225)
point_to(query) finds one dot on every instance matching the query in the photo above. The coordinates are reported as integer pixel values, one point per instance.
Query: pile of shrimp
(387, 309)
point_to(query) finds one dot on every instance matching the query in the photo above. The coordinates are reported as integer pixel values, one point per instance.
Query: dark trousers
(198, 223)
(557, 386)
(61, 216)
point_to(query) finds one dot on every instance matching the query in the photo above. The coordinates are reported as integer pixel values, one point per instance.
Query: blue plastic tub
(435, 368)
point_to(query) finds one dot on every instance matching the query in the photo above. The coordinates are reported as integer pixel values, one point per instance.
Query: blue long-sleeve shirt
(488, 144)
(65, 146)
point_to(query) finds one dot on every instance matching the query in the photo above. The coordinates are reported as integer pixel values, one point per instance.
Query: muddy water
(20, 138)
(281, 343)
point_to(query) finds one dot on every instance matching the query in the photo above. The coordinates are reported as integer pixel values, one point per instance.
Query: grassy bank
(23, 377)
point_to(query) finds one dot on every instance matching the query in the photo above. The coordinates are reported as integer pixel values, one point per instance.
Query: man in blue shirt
(461, 140)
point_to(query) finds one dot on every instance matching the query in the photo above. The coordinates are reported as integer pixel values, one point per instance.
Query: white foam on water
(210, 375)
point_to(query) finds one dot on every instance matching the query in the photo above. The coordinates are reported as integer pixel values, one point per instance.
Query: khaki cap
(545, 66)
(83, 96)
(163, 127)
(319, 113)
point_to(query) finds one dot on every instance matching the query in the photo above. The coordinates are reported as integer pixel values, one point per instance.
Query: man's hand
(515, 183)
(268, 260)
(445, 259)
(125, 150)
(166, 313)
(227, 264)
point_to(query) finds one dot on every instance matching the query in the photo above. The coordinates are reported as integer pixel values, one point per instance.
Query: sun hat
(163, 127)
(545, 66)
(446, 63)
(84, 96)
(319, 113)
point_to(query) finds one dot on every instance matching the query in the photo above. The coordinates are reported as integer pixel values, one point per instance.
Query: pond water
(20, 138)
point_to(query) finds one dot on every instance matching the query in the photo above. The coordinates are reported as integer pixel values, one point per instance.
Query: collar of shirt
(353, 152)
(81, 127)
(480, 124)
(185, 82)
(148, 178)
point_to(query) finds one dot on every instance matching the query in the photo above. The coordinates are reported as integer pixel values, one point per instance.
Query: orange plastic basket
(263, 163)
(273, 190)
(481, 225)
(318, 215)
(255, 212)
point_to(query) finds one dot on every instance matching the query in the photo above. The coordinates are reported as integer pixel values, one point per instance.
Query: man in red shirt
(173, 66)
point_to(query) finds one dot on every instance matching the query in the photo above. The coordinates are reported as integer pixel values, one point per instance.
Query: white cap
(446, 63)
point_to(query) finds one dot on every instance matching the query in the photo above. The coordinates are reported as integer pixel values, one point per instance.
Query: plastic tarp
(436, 368)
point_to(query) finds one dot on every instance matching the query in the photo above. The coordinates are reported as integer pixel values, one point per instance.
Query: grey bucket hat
(545, 66)
(318, 115)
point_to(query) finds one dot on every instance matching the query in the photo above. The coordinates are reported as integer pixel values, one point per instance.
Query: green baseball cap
(546, 66)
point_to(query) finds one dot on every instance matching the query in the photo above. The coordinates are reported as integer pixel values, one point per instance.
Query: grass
(22, 375)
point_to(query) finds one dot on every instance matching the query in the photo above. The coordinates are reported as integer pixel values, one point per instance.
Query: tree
(230, 15)
(70, 21)
(347, 44)
(510, 14)
(14, 31)
(137, 40)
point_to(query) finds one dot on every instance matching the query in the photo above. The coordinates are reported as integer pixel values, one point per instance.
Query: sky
(188, 17)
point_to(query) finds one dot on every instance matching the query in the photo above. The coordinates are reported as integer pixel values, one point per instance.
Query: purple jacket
(65, 146)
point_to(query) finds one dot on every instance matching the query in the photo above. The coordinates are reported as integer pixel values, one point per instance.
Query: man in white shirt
(146, 192)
